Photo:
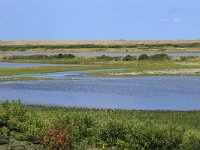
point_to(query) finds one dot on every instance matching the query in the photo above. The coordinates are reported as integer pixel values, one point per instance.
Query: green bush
(127, 58)
(143, 57)
(13, 119)
(58, 137)
(140, 136)
(112, 133)
(183, 58)
(155, 138)
(104, 57)
(160, 57)
(16, 122)
(83, 129)
(190, 142)
(68, 56)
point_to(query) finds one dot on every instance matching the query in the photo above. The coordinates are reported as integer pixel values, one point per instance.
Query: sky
(99, 19)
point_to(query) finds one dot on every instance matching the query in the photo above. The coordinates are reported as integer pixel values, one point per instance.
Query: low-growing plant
(16, 122)
(58, 137)
(61, 128)
(83, 129)
(111, 134)
(191, 141)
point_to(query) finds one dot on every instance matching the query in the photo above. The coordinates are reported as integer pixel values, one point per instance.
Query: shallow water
(23, 65)
(145, 93)
(100, 54)
(62, 75)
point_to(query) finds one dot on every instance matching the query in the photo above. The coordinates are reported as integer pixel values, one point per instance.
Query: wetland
(105, 100)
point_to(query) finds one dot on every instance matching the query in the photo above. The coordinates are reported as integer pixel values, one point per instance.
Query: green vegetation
(40, 127)
(66, 56)
(71, 59)
(64, 128)
(104, 58)
(23, 79)
(100, 46)
(129, 58)
(158, 64)
(50, 69)
(159, 57)
(79, 46)
(143, 57)
(146, 57)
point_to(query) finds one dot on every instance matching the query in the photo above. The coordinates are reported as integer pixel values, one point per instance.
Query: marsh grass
(104, 63)
(23, 79)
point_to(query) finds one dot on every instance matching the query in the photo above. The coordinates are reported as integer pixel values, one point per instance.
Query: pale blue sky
(99, 19)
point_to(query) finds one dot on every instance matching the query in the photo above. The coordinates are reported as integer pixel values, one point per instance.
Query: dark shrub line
(67, 56)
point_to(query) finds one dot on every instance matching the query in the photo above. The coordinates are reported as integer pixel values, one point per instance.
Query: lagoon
(139, 93)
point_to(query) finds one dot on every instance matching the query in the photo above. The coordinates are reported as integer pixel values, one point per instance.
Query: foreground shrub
(58, 137)
(190, 142)
(83, 129)
(21, 145)
(155, 138)
(16, 122)
(111, 134)
(140, 136)
(13, 118)
(58, 128)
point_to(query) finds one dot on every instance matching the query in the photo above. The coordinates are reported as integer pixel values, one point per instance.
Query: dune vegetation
(100, 46)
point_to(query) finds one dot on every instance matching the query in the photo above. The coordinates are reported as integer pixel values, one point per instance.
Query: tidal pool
(140, 93)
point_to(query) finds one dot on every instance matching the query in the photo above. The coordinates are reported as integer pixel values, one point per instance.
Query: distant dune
(101, 42)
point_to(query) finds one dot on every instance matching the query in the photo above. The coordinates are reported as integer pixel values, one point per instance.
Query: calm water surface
(24, 65)
(146, 93)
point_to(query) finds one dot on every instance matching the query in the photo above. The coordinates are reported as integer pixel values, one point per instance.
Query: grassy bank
(62, 128)
(143, 65)
(50, 69)
(137, 67)
(23, 79)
